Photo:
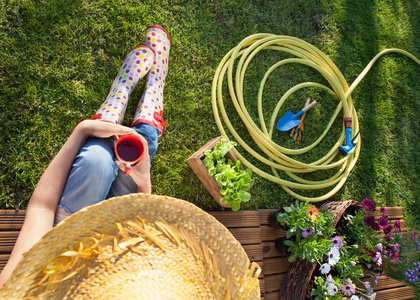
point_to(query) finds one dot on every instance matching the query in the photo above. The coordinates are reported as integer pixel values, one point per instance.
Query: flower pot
(196, 164)
(298, 278)
(281, 247)
(272, 220)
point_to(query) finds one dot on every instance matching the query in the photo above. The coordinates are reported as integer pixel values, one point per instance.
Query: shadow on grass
(386, 101)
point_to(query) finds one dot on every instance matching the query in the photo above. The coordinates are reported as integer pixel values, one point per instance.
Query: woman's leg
(136, 65)
(90, 178)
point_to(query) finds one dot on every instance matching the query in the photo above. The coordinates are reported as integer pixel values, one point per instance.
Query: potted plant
(305, 226)
(331, 250)
(221, 173)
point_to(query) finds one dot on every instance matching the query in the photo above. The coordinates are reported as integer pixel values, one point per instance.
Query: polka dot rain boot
(150, 107)
(136, 65)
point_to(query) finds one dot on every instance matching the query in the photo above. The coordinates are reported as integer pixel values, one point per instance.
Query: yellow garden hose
(278, 157)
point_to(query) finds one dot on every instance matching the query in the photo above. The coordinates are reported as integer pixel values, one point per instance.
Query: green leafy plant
(232, 180)
(305, 226)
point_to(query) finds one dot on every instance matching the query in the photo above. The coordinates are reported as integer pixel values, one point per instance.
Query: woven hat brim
(136, 247)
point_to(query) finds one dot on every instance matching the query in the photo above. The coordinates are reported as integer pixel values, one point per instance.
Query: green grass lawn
(58, 60)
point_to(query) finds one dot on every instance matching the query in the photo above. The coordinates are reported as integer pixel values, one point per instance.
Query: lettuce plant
(232, 180)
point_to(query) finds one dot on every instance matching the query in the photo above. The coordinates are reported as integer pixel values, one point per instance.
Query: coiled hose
(278, 157)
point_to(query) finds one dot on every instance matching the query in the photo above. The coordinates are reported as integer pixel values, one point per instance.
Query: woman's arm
(41, 209)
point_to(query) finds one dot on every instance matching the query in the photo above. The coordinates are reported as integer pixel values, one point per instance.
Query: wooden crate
(196, 164)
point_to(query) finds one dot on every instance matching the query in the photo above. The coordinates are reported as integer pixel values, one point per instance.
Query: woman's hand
(140, 172)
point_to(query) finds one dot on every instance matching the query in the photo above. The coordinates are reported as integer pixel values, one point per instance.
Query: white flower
(373, 297)
(333, 256)
(379, 247)
(325, 269)
(354, 297)
(353, 263)
(329, 280)
(332, 289)
(378, 258)
(368, 288)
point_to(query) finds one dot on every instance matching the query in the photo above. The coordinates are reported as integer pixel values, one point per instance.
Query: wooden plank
(247, 236)
(3, 260)
(384, 282)
(400, 293)
(269, 250)
(264, 215)
(272, 295)
(262, 286)
(392, 212)
(275, 265)
(237, 218)
(273, 282)
(271, 234)
(254, 252)
(8, 240)
(11, 219)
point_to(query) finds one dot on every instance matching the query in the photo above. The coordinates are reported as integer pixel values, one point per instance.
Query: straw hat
(136, 247)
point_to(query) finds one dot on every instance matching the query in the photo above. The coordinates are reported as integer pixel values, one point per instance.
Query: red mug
(129, 149)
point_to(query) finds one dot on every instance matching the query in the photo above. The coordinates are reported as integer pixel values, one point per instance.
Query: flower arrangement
(341, 253)
(402, 259)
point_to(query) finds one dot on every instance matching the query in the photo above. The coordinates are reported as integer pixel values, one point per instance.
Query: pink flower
(383, 223)
(307, 232)
(348, 288)
(337, 242)
(368, 205)
(397, 225)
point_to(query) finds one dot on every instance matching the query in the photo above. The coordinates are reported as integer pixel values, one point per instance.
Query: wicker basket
(299, 276)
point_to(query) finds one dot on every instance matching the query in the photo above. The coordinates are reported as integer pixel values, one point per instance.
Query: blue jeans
(94, 175)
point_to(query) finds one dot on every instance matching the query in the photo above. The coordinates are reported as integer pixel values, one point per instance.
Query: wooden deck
(252, 230)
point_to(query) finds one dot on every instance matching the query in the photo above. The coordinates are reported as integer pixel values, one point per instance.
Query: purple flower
(397, 225)
(418, 245)
(369, 220)
(388, 229)
(383, 210)
(388, 237)
(383, 223)
(378, 258)
(392, 252)
(413, 236)
(377, 277)
(307, 232)
(379, 247)
(337, 242)
(368, 205)
(375, 226)
(348, 288)
(369, 289)
(412, 275)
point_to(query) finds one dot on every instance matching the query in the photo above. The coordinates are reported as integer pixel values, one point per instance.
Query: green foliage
(232, 180)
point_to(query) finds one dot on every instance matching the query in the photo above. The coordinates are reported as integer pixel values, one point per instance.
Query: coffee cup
(129, 149)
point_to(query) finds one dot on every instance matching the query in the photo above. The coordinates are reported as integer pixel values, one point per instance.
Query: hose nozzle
(349, 141)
